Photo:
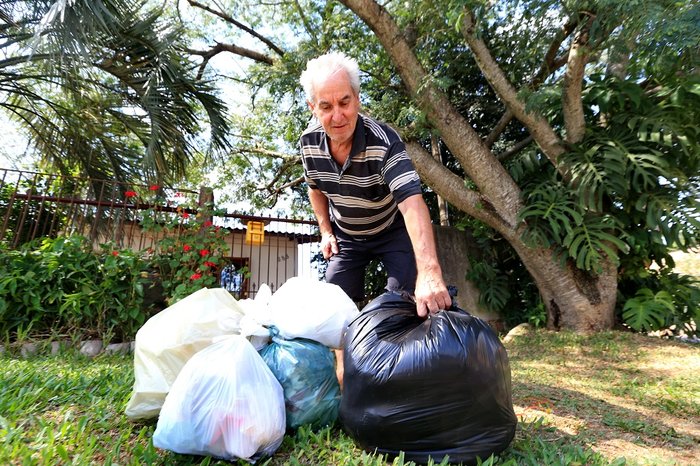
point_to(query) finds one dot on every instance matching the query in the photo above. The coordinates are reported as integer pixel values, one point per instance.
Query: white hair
(320, 68)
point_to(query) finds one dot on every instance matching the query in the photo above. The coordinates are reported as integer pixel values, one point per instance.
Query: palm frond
(126, 64)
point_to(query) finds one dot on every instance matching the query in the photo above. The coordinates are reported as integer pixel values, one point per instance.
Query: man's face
(336, 107)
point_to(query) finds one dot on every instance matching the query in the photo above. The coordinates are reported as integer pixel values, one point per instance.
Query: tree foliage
(590, 107)
(104, 89)
(567, 130)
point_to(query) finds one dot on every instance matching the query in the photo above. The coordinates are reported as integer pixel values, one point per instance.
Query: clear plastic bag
(305, 308)
(170, 338)
(225, 403)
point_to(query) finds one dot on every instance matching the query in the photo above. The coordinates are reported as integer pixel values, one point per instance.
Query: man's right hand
(329, 245)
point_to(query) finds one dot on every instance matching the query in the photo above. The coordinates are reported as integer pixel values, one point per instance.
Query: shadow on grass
(572, 417)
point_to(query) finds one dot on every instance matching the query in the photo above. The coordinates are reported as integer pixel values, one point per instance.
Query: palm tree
(103, 89)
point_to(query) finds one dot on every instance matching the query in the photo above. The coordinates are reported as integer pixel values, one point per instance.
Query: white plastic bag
(170, 338)
(225, 403)
(305, 308)
(256, 319)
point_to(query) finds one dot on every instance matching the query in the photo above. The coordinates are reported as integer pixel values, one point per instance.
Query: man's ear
(312, 107)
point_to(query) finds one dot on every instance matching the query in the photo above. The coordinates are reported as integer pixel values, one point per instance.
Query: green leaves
(494, 290)
(593, 242)
(572, 222)
(595, 172)
(63, 286)
(647, 311)
(557, 221)
(610, 169)
(106, 91)
(189, 254)
(632, 182)
(550, 214)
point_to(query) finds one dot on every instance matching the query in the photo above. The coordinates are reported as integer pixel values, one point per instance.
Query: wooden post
(442, 204)
(206, 201)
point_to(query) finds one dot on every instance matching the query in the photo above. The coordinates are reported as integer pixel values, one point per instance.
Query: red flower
(210, 264)
(185, 215)
(178, 194)
(207, 224)
(186, 247)
(154, 187)
(115, 253)
(130, 194)
(196, 276)
(204, 252)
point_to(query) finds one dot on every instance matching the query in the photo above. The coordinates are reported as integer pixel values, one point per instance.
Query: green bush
(651, 299)
(63, 287)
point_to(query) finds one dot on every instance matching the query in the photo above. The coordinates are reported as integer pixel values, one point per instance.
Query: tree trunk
(574, 299)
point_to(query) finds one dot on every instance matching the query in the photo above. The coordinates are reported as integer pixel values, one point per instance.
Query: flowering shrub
(190, 254)
(70, 287)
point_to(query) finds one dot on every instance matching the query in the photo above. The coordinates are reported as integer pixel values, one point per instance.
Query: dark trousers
(393, 247)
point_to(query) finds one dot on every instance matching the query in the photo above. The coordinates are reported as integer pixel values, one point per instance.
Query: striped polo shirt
(365, 192)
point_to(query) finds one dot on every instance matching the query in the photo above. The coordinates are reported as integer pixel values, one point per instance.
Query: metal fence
(35, 205)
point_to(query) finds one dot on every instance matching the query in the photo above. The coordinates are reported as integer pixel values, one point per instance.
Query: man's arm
(319, 204)
(431, 292)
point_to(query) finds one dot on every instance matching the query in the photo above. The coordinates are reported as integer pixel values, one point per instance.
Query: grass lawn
(610, 398)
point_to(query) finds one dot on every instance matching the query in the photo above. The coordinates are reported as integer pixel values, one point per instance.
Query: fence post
(206, 201)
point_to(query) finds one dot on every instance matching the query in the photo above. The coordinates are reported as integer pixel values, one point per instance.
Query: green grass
(604, 399)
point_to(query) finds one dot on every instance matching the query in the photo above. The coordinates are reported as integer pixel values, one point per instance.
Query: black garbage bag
(427, 387)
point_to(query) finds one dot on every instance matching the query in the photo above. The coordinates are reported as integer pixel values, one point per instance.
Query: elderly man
(365, 192)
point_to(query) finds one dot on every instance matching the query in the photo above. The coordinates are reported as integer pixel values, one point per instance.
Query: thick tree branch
(498, 129)
(540, 129)
(239, 25)
(572, 102)
(457, 133)
(219, 48)
(551, 63)
(466, 200)
(236, 50)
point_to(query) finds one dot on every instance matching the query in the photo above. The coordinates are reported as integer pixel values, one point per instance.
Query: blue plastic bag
(306, 371)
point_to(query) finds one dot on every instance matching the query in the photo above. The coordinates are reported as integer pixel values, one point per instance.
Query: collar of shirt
(358, 139)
